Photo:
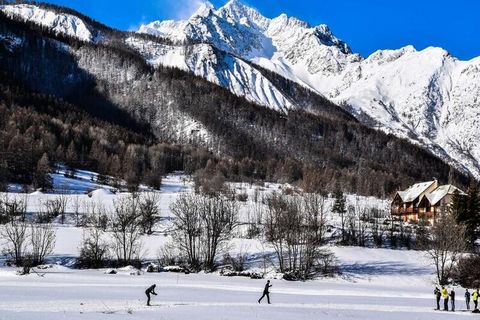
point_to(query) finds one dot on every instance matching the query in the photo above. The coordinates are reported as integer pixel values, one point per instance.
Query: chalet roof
(414, 191)
(438, 194)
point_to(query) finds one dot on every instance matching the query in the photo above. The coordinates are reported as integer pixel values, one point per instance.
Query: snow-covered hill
(426, 96)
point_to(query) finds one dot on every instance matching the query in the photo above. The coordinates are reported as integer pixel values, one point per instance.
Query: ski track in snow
(93, 294)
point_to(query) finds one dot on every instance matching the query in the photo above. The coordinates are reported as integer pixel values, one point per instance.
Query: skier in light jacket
(475, 299)
(445, 298)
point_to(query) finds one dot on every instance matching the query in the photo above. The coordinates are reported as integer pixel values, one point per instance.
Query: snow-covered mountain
(59, 22)
(426, 96)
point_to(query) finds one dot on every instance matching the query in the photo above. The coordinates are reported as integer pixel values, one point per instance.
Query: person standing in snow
(452, 299)
(467, 299)
(438, 295)
(150, 290)
(445, 298)
(266, 292)
(475, 299)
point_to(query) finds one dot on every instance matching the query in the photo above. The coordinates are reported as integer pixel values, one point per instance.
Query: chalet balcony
(403, 211)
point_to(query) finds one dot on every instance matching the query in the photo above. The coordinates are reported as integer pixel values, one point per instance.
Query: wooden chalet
(425, 200)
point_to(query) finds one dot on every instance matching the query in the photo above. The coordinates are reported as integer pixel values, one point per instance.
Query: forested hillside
(102, 106)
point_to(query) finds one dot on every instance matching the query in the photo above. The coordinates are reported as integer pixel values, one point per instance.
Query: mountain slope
(426, 96)
(324, 148)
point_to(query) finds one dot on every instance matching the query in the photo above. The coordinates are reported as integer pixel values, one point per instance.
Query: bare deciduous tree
(149, 211)
(295, 225)
(42, 242)
(95, 249)
(219, 216)
(446, 244)
(202, 225)
(188, 227)
(15, 234)
(126, 229)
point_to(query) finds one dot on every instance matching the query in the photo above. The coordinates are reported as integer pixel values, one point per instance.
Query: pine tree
(3, 175)
(466, 210)
(339, 207)
(472, 209)
(458, 207)
(42, 177)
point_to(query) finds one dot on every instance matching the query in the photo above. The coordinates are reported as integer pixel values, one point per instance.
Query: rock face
(427, 96)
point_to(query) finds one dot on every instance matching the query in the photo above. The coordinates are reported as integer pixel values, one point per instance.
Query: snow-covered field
(375, 283)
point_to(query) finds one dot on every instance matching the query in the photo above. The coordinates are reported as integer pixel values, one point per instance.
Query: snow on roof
(414, 191)
(438, 194)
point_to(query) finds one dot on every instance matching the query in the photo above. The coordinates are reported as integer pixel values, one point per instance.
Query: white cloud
(182, 9)
(135, 27)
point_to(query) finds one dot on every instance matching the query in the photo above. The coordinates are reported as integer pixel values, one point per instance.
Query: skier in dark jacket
(452, 299)
(266, 292)
(467, 299)
(438, 296)
(150, 290)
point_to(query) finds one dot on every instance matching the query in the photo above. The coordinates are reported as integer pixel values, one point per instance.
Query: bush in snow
(467, 272)
(12, 209)
(50, 209)
(168, 255)
(242, 197)
(95, 251)
(237, 262)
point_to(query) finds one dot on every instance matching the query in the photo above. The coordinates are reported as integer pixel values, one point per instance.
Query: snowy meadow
(371, 283)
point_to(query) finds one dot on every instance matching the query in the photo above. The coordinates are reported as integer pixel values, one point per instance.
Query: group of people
(439, 294)
(450, 296)
(266, 292)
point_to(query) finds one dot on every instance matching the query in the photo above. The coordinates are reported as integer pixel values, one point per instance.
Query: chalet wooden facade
(425, 200)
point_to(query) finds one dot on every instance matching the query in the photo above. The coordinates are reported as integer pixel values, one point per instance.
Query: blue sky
(366, 25)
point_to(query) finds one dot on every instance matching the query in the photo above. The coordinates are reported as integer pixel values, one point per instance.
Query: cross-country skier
(452, 299)
(445, 298)
(438, 296)
(266, 292)
(150, 290)
(475, 299)
(467, 299)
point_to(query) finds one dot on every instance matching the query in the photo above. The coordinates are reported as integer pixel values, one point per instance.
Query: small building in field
(425, 200)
